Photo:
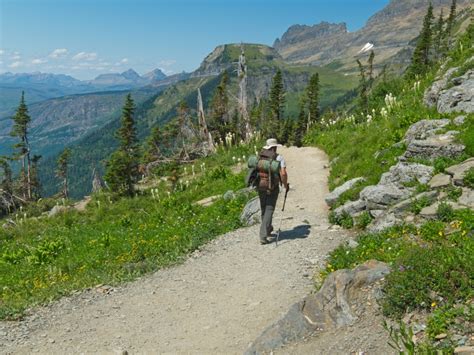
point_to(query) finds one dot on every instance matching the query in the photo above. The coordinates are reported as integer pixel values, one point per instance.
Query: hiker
(269, 185)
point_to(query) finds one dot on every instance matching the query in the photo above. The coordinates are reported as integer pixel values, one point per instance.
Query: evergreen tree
(220, 108)
(276, 103)
(421, 56)
(122, 168)
(370, 63)
(301, 126)
(438, 35)
(35, 182)
(451, 18)
(152, 147)
(21, 121)
(6, 182)
(62, 171)
(312, 93)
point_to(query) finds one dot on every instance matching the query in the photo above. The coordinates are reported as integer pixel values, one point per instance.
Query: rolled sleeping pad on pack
(264, 165)
(252, 162)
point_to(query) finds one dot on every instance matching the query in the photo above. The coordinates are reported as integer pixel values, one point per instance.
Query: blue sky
(85, 38)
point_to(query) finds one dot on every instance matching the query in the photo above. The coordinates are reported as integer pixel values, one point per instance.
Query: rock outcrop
(450, 94)
(341, 301)
(332, 197)
(251, 213)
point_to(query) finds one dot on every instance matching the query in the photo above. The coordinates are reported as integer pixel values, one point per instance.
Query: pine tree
(152, 147)
(421, 56)
(220, 107)
(301, 125)
(438, 35)
(35, 182)
(6, 181)
(62, 171)
(122, 168)
(370, 63)
(312, 93)
(451, 18)
(21, 121)
(276, 103)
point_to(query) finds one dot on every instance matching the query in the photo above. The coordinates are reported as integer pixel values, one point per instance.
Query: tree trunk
(242, 74)
(205, 134)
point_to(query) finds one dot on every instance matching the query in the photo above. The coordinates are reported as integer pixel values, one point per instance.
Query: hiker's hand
(287, 187)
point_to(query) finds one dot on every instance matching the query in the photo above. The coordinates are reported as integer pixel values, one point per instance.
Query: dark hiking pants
(267, 205)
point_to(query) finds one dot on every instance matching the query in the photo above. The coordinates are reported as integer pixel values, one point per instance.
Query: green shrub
(445, 212)
(453, 192)
(418, 204)
(425, 271)
(363, 220)
(469, 178)
(441, 320)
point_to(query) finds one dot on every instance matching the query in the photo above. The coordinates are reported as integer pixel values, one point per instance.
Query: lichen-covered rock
(459, 170)
(460, 97)
(251, 213)
(343, 294)
(399, 208)
(431, 95)
(332, 197)
(404, 172)
(431, 212)
(351, 208)
(386, 220)
(459, 121)
(443, 145)
(440, 180)
(383, 195)
(467, 198)
(424, 129)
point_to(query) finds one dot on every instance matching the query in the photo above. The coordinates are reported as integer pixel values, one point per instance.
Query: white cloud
(85, 56)
(2, 52)
(39, 61)
(124, 61)
(58, 53)
(16, 56)
(15, 65)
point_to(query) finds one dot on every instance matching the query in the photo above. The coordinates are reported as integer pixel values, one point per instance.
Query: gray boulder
(439, 181)
(443, 145)
(459, 121)
(332, 197)
(251, 213)
(344, 295)
(459, 170)
(460, 97)
(431, 95)
(383, 195)
(400, 208)
(424, 129)
(58, 210)
(404, 172)
(386, 220)
(351, 207)
(431, 212)
(467, 198)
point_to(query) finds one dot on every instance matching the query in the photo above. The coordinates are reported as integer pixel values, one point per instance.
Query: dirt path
(218, 301)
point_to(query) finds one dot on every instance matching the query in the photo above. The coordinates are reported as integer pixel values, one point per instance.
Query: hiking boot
(271, 238)
(264, 241)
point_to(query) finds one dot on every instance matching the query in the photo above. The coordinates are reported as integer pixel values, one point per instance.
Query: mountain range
(41, 86)
(389, 32)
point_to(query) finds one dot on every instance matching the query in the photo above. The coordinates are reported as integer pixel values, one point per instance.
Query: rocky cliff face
(389, 31)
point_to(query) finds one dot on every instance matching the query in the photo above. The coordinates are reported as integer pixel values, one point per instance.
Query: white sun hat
(272, 142)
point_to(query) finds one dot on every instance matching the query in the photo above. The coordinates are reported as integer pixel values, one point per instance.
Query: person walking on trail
(272, 174)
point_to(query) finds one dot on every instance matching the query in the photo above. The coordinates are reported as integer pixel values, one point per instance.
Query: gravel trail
(218, 301)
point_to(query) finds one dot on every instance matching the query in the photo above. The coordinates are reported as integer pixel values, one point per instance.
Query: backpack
(264, 171)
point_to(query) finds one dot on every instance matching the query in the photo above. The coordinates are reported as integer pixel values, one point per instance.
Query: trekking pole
(281, 219)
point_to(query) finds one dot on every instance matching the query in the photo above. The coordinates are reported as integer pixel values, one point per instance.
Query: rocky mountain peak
(318, 31)
(131, 74)
(155, 75)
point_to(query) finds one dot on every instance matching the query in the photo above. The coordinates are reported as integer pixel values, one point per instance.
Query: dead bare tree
(242, 75)
(204, 131)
